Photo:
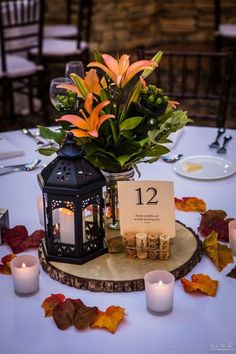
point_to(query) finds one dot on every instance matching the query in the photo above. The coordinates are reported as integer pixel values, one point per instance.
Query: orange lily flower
(90, 83)
(120, 71)
(89, 124)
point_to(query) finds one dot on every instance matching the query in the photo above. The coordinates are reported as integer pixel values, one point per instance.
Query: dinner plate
(207, 167)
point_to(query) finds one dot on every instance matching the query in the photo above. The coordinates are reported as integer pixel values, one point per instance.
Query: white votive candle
(67, 229)
(232, 235)
(25, 274)
(159, 290)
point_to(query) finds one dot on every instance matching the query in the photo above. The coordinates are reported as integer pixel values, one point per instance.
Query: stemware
(55, 92)
(74, 67)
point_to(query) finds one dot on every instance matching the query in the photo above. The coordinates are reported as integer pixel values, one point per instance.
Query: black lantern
(73, 206)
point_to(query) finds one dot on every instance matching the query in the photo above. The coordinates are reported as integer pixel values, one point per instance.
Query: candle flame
(160, 282)
(23, 265)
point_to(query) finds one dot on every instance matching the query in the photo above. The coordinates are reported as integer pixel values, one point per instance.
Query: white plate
(212, 167)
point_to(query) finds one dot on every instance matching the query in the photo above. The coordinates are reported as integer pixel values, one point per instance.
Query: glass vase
(112, 221)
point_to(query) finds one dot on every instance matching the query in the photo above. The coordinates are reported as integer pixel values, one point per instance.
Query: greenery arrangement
(117, 131)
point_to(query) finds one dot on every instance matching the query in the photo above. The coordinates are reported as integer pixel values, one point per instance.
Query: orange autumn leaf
(190, 204)
(202, 283)
(5, 267)
(221, 255)
(109, 319)
(51, 302)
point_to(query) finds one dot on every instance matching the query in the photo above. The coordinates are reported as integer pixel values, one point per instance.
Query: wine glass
(56, 93)
(74, 67)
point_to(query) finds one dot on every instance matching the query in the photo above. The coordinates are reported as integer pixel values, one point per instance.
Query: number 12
(151, 201)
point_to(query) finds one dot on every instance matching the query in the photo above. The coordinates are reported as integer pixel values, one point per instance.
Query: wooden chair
(199, 81)
(71, 27)
(223, 32)
(21, 23)
(57, 50)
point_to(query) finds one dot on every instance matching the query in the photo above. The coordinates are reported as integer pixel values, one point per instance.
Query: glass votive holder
(159, 291)
(25, 275)
(232, 235)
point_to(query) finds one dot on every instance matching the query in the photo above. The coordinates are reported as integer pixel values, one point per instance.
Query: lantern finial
(69, 148)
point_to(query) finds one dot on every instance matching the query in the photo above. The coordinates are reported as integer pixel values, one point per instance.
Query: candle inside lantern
(67, 228)
(159, 290)
(25, 274)
(232, 235)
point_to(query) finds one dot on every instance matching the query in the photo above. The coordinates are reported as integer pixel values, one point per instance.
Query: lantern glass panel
(91, 224)
(63, 222)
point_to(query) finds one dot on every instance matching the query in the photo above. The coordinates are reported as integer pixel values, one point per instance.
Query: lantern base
(81, 260)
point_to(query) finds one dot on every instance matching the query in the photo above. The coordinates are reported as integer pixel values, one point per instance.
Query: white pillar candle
(25, 274)
(67, 228)
(40, 209)
(232, 235)
(159, 290)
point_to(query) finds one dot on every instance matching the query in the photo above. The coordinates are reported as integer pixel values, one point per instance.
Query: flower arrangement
(117, 131)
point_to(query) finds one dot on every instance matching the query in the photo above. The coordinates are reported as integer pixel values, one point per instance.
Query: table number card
(146, 206)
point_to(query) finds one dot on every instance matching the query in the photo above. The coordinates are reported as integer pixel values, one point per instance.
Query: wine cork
(153, 244)
(164, 247)
(141, 245)
(129, 240)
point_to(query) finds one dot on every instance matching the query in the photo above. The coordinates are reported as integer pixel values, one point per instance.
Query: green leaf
(157, 150)
(47, 133)
(131, 123)
(80, 84)
(47, 151)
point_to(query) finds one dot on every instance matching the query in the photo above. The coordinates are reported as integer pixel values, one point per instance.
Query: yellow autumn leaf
(109, 319)
(202, 283)
(190, 204)
(221, 255)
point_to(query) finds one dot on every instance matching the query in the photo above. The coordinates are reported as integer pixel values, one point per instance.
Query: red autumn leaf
(19, 240)
(215, 220)
(5, 267)
(51, 302)
(190, 204)
(74, 312)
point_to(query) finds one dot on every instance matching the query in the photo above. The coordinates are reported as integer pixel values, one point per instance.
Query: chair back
(80, 12)
(199, 81)
(21, 23)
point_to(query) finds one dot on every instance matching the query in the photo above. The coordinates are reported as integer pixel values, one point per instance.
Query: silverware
(26, 167)
(40, 141)
(222, 149)
(170, 159)
(215, 143)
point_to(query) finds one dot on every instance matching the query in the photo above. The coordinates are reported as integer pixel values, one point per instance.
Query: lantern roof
(71, 171)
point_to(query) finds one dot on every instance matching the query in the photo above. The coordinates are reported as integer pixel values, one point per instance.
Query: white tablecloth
(197, 324)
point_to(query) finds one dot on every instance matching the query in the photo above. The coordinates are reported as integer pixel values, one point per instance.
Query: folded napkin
(7, 149)
(174, 137)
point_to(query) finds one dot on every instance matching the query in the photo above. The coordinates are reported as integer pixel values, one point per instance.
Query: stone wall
(124, 24)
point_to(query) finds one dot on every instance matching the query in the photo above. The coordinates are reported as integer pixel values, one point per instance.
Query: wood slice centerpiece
(114, 272)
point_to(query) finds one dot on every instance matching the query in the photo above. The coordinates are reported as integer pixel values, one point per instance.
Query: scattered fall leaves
(232, 273)
(109, 319)
(67, 312)
(190, 204)
(202, 283)
(221, 255)
(51, 302)
(5, 267)
(19, 240)
(215, 220)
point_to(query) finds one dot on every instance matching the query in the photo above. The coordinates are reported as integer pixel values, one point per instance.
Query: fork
(222, 149)
(215, 143)
(26, 167)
